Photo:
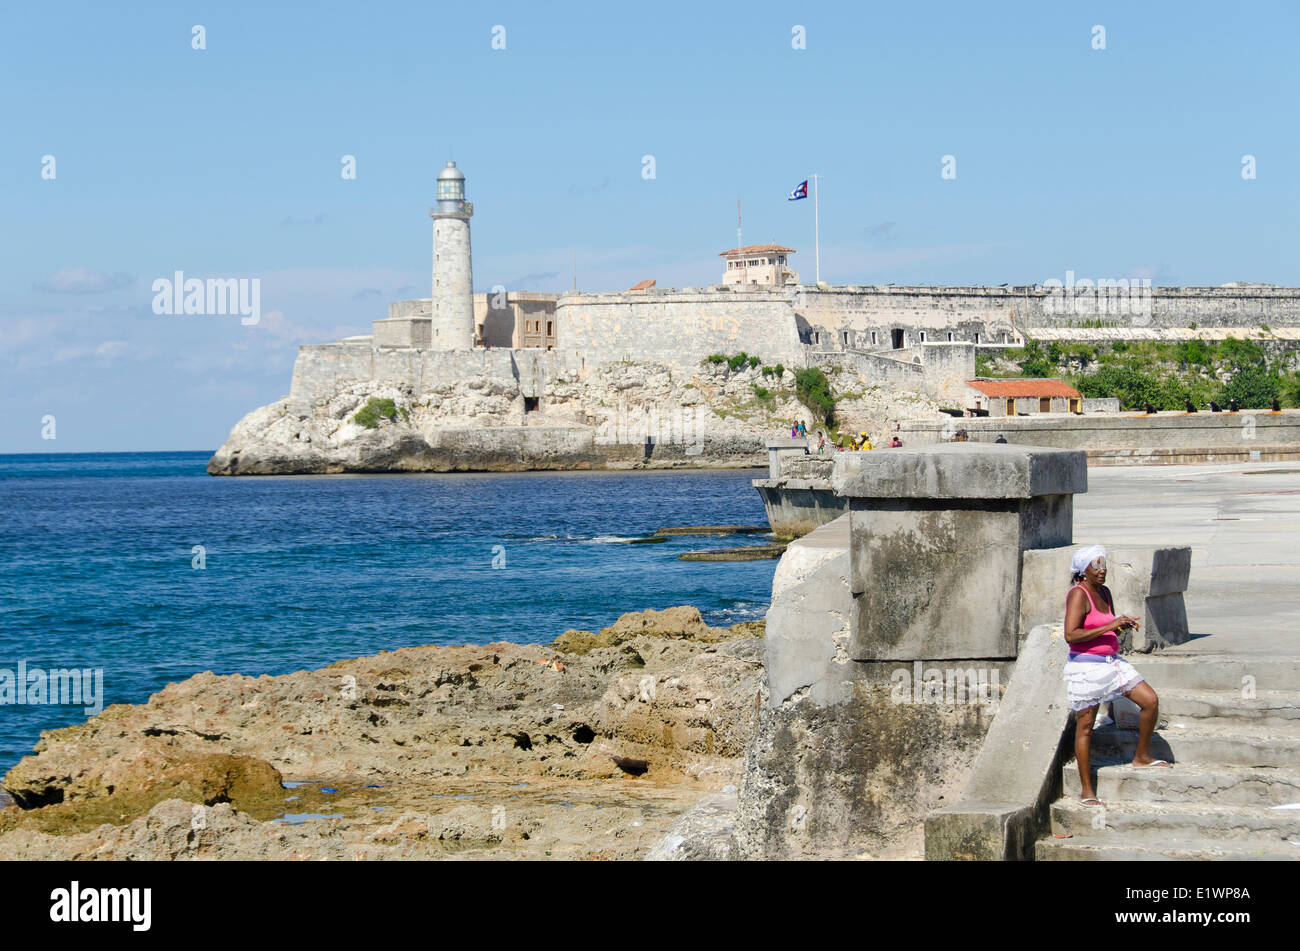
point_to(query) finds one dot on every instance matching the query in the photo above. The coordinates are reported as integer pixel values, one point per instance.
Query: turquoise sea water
(96, 565)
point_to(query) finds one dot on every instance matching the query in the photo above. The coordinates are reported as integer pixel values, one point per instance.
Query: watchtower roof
(757, 249)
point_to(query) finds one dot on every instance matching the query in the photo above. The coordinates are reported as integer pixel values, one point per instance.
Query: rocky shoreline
(590, 747)
(621, 416)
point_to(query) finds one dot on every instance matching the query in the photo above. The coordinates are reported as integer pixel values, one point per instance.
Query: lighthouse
(453, 275)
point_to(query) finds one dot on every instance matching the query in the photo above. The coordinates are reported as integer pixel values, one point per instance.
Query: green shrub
(1289, 390)
(738, 360)
(375, 410)
(814, 391)
(753, 362)
(1252, 387)
(1241, 353)
(1037, 362)
(716, 358)
(780, 371)
(1132, 387)
(1194, 353)
(764, 394)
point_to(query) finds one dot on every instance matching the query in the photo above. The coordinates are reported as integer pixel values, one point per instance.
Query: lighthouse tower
(453, 276)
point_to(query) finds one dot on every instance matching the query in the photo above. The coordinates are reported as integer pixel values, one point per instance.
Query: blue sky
(225, 162)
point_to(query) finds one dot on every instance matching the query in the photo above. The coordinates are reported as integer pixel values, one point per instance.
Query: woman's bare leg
(1145, 698)
(1083, 720)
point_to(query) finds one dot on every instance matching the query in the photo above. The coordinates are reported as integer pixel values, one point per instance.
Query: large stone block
(936, 535)
(809, 617)
(961, 471)
(402, 332)
(929, 581)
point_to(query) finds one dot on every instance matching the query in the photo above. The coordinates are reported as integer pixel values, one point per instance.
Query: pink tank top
(1107, 643)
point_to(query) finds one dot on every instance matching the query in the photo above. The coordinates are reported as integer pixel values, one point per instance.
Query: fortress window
(922, 336)
(874, 341)
(977, 337)
(530, 404)
(550, 328)
(897, 340)
(950, 336)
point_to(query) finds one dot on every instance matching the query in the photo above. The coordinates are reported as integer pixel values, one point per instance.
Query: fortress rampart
(678, 327)
(922, 339)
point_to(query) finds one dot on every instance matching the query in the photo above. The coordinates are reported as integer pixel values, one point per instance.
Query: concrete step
(1179, 849)
(1152, 823)
(1217, 672)
(1272, 708)
(1227, 785)
(1198, 742)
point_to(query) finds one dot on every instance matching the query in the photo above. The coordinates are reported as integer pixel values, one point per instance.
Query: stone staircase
(1235, 757)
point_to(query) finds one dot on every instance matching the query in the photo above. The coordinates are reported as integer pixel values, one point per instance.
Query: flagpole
(817, 231)
(744, 270)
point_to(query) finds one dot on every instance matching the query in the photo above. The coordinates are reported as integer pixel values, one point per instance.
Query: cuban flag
(800, 192)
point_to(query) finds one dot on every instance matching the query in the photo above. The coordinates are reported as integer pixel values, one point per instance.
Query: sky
(622, 133)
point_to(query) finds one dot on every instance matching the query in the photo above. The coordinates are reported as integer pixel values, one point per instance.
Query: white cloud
(80, 280)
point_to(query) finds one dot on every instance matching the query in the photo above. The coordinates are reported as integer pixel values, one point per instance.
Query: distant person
(794, 431)
(1095, 673)
(802, 430)
(821, 441)
(895, 443)
(960, 436)
(1001, 438)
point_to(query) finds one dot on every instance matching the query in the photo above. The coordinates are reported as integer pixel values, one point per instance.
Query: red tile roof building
(1025, 387)
(1023, 397)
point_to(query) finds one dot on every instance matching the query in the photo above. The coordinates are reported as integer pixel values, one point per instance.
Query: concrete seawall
(1134, 438)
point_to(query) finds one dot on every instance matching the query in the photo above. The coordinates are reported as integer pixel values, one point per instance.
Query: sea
(146, 569)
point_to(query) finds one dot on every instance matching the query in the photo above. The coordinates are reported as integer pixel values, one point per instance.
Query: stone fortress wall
(918, 338)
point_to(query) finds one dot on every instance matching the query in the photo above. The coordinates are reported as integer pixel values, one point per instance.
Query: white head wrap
(1085, 557)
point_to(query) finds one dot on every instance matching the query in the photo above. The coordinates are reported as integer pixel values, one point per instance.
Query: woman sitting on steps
(1094, 672)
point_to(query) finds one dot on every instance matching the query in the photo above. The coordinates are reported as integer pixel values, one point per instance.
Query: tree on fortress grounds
(377, 409)
(1039, 362)
(1132, 387)
(1252, 387)
(814, 391)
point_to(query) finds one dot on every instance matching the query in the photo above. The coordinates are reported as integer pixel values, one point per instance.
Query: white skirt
(1096, 680)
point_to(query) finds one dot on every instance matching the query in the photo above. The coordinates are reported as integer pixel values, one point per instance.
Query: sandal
(1091, 800)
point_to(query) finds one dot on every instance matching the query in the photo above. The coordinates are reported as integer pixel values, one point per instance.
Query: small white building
(763, 264)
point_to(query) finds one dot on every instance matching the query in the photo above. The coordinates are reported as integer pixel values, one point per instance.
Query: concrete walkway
(1242, 522)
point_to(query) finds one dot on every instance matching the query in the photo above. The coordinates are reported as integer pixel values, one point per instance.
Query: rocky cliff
(616, 416)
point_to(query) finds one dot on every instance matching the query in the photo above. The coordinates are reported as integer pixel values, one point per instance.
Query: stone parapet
(1140, 437)
(960, 471)
(937, 534)
(1004, 805)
